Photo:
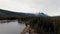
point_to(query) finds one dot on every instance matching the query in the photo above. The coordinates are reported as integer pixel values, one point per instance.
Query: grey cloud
(51, 7)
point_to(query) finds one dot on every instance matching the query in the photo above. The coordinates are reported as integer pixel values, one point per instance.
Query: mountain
(10, 13)
(42, 14)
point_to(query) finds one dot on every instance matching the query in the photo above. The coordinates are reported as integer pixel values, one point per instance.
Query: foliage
(40, 23)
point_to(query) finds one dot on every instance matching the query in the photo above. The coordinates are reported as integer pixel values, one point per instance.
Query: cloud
(50, 7)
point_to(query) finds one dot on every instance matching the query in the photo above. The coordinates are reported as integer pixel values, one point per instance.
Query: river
(11, 28)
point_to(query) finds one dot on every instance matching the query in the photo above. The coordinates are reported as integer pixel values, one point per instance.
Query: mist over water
(11, 28)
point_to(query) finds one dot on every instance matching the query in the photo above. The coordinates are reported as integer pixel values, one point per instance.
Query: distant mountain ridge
(42, 14)
(15, 13)
(6, 12)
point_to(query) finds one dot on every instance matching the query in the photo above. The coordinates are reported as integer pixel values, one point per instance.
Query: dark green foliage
(42, 24)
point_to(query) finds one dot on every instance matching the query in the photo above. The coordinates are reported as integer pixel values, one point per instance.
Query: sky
(49, 7)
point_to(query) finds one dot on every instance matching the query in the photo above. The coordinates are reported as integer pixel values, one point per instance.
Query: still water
(11, 28)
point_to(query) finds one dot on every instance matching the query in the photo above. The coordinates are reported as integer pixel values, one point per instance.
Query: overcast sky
(50, 7)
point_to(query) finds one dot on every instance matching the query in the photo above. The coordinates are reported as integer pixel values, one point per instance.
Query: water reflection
(11, 28)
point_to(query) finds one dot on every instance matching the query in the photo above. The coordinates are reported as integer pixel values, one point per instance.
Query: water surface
(11, 28)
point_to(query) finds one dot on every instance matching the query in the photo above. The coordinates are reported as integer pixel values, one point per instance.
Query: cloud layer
(50, 7)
